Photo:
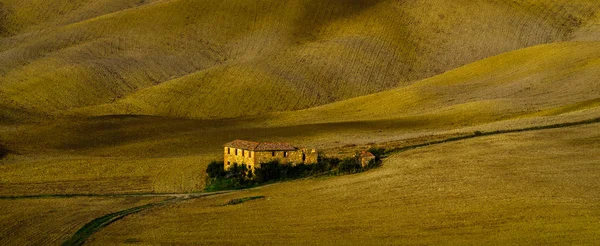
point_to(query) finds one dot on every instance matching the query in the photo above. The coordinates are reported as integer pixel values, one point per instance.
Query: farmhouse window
(249, 154)
(228, 151)
(284, 153)
(236, 152)
(273, 153)
(228, 163)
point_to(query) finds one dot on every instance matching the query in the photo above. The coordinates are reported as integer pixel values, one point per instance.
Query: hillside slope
(541, 85)
(538, 81)
(217, 59)
(515, 189)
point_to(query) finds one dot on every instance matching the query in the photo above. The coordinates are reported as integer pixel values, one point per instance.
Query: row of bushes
(239, 176)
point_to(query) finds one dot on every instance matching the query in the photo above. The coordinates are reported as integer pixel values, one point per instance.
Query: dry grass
(538, 81)
(141, 154)
(50, 221)
(523, 188)
(31, 16)
(217, 59)
(200, 59)
(97, 175)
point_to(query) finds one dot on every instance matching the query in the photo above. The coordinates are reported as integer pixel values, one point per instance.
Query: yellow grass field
(524, 188)
(140, 154)
(542, 80)
(223, 59)
(114, 97)
(50, 221)
(103, 175)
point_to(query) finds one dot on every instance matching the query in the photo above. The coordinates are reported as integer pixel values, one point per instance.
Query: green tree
(377, 152)
(350, 165)
(216, 169)
(238, 174)
(267, 172)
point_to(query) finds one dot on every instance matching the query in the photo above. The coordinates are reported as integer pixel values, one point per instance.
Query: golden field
(223, 59)
(50, 221)
(92, 170)
(538, 81)
(107, 97)
(524, 188)
(541, 85)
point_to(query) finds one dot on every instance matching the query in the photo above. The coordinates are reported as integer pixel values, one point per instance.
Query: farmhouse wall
(364, 160)
(283, 157)
(242, 157)
(253, 158)
(311, 156)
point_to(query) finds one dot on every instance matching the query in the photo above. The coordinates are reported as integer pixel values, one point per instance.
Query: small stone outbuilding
(365, 158)
(254, 153)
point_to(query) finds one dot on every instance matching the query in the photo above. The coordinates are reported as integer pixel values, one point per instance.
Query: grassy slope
(542, 80)
(74, 174)
(590, 31)
(26, 16)
(50, 221)
(200, 59)
(522, 188)
(129, 154)
(52, 62)
(540, 85)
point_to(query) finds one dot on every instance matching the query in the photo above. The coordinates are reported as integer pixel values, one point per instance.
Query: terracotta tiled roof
(274, 146)
(367, 154)
(242, 144)
(256, 146)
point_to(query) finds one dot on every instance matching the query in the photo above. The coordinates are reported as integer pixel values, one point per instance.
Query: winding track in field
(97, 224)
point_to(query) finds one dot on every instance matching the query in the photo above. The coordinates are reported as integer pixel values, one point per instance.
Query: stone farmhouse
(254, 153)
(365, 158)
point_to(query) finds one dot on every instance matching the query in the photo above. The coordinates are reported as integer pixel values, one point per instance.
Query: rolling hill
(543, 80)
(108, 104)
(541, 85)
(223, 59)
(490, 190)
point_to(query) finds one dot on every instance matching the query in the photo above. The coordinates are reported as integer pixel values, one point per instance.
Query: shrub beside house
(247, 164)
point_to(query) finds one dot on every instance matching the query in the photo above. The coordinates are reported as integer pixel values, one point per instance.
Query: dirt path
(171, 195)
(498, 132)
(97, 224)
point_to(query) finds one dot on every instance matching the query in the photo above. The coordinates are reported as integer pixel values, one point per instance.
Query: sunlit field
(50, 221)
(107, 105)
(216, 59)
(524, 188)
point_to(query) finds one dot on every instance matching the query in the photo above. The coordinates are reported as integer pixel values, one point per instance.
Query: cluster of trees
(239, 176)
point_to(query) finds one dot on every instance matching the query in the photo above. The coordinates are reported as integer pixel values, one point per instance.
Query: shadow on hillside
(173, 136)
(3, 151)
